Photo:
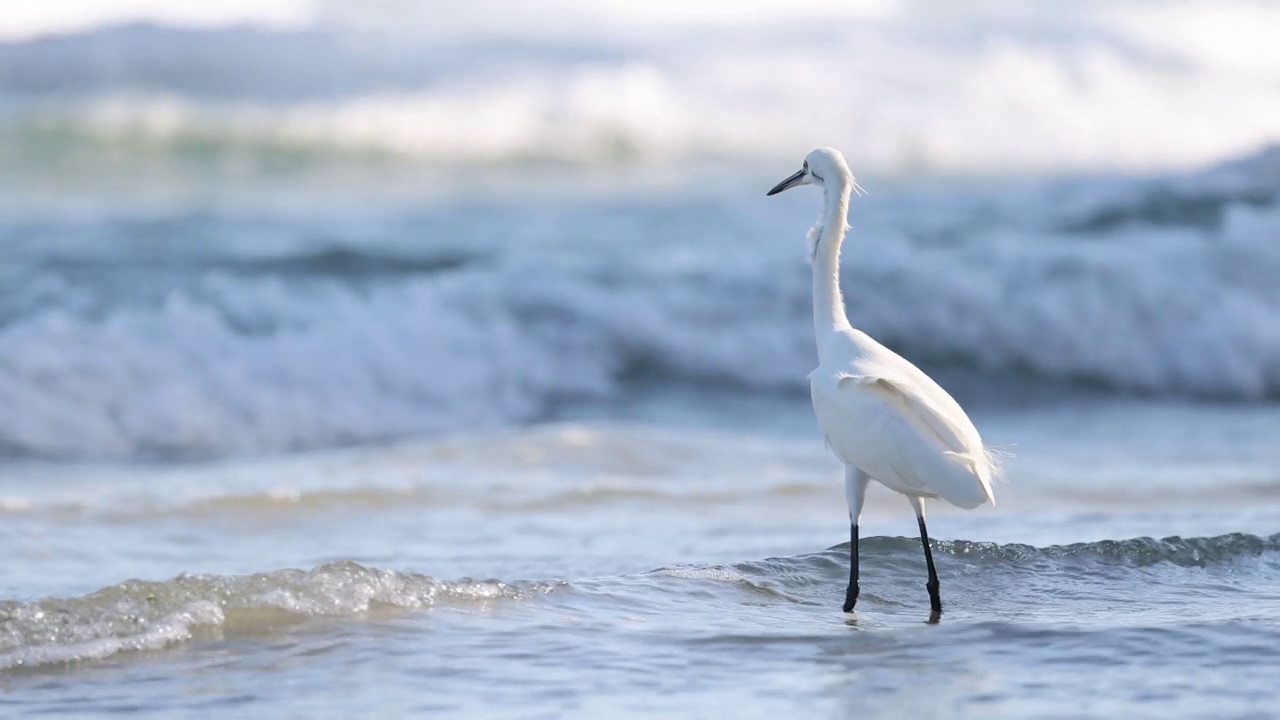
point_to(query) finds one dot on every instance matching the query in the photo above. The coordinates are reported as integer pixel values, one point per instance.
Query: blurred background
(492, 289)
(247, 227)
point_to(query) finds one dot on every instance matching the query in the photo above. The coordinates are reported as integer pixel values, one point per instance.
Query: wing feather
(923, 412)
(951, 463)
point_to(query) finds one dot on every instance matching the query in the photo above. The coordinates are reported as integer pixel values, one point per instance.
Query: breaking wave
(137, 616)
(1035, 88)
(454, 320)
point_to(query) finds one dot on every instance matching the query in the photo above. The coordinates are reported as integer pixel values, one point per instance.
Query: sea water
(463, 372)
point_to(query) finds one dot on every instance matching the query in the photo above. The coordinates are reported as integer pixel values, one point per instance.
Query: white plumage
(881, 415)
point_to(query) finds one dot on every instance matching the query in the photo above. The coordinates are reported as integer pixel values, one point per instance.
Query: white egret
(881, 415)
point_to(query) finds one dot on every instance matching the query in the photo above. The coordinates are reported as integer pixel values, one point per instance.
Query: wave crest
(136, 615)
(207, 355)
(1075, 91)
(1134, 552)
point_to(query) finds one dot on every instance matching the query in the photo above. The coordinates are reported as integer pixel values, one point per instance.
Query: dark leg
(851, 594)
(855, 491)
(935, 598)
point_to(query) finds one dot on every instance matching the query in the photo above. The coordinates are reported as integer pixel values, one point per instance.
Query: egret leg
(851, 592)
(855, 490)
(935, 597)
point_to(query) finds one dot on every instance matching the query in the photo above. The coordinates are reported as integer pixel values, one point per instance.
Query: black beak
(785, 184)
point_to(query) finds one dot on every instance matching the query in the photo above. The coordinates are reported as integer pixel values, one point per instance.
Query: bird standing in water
(882, 416)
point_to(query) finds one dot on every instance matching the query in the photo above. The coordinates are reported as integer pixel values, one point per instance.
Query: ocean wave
(904, 554)
(1035, 89)
(991, 582)
(488, 321)
(136, 615)
(1133, 552)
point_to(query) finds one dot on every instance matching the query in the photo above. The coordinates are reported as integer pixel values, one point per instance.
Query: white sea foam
(910, 86)
(136, 616)
(1162, 286)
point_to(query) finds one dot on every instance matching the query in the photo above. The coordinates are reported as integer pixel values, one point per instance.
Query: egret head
(825, 167)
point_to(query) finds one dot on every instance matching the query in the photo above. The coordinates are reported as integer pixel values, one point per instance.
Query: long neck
(828, 304)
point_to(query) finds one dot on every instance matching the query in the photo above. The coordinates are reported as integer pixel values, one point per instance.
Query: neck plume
(828, 303)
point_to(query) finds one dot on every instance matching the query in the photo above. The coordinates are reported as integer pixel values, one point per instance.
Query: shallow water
(628, 567)
(1098, 628)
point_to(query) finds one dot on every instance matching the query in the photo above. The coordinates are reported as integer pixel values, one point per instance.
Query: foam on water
(136, 615)
(916, 86)
(503, 313)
